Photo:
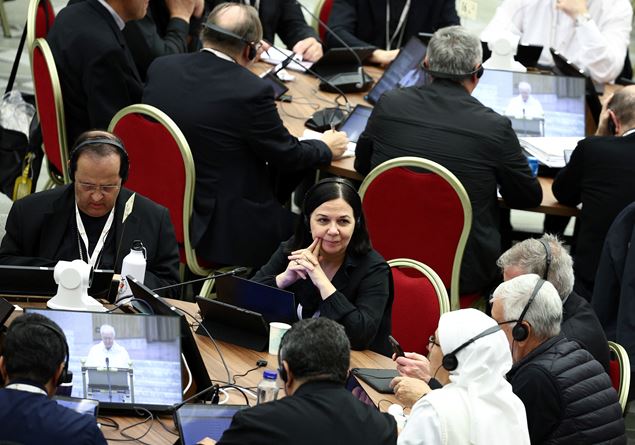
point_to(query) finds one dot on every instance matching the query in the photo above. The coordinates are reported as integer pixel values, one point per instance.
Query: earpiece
(450, 361)
(520, 331)
(123, 154)
(253, 51)
(459, 76)
(548, 257)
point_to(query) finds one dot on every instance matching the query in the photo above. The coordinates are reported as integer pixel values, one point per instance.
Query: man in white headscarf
(475, 391)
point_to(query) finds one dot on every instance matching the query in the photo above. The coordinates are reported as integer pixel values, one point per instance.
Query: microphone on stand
(342, 80)
(108, 379)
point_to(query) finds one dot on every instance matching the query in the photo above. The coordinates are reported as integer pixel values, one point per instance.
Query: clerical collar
(220, 54)
(118, 20)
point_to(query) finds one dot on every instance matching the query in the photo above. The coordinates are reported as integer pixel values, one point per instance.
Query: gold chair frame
(315, 24)
(43, 46)
(625, 373)
(448, 176)
(431, 275)
(31, 18)
(190, 173)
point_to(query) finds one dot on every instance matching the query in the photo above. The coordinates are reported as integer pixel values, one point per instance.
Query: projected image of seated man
(108, 352)
(525, 106)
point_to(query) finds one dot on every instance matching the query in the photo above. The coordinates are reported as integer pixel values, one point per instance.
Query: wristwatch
(581, 19)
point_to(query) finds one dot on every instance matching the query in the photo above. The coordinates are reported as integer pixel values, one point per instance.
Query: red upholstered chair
(39, 20)
(161, 168)
(424, 215)
(620, 372)
(420, 299)
(50, 110)
(323, 11)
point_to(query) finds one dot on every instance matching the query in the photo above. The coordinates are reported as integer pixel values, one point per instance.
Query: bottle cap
(137, 245)
(270, 375)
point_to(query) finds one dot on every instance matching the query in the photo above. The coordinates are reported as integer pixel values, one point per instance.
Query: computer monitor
(538, 105)
(404, 71)
(141, 368)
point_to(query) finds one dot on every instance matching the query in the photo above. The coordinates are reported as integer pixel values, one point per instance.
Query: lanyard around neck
(81, 232)
(401, 25)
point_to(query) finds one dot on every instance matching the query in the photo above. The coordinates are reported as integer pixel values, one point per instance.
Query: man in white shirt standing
(593, 34)
(108, 350)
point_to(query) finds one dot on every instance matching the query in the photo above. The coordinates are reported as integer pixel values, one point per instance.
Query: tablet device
(404, 71)
(355, 123)
(340, 60)
(82, 406)
(358, 391)
(378, 379)
(279, 88)
(197, 421)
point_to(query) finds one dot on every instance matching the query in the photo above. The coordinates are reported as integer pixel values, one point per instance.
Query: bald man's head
(235, 18)
(623, 105)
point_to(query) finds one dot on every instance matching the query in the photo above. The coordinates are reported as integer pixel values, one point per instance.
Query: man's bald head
(623, 105)
(236, 18)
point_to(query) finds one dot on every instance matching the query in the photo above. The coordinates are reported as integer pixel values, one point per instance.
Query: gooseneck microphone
(360, 69)
(236, 271)
(108, 379)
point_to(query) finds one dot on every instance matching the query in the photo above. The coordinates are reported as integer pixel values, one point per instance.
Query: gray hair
(530, 256)
(248, 27)
(454, 51)
(623, 105)
(545, 312)
(106, 328)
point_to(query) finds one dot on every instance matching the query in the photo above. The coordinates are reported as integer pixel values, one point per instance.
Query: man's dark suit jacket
(39, 224)
(317, 413)
(601, 176)
(282, 17)
(445, 124)
(97, 73)
(236, 135)
(363, 22)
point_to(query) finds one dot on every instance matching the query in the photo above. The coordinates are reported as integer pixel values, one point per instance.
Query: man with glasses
(93, 219)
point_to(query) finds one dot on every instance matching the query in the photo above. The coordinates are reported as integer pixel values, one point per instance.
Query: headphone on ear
(548, 257)
(458, 76)
(450, 361)
(79, 149)
(281, 371)
(520, 331)
(253, 50)
(314, 187)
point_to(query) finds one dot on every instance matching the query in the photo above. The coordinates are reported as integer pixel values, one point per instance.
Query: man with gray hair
(108, 352)
(442, 122)
(567, 394)
(238, 141)
(548, 258)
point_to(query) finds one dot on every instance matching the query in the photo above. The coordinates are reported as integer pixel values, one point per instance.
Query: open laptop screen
(122, 360)
(538, 105)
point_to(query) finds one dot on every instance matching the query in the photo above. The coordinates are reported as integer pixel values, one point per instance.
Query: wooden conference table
(306, 99)
(239, 360)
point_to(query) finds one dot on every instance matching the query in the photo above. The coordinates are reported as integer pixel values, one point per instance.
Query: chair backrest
(323, 11)
(424, 215)
(620, 372)
(50, 107)
(420, 299)
(161, 168)
(39, 21)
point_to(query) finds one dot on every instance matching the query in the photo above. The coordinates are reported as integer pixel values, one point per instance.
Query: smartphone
(396, 347)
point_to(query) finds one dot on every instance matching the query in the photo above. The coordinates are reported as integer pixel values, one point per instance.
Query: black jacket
(614, 293)
(97, 73)
(41, 230)
(444, 124)
(318, 413)
(580, 323)
(230, 120)
(363, 22)
(362, 302)
(567, 395)
(601, 176)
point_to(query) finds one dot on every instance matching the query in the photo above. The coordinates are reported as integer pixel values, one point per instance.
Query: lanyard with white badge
(401, 25)
(81, 232)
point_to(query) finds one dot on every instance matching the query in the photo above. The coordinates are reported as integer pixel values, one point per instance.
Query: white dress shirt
(520, 109)
(117, 356)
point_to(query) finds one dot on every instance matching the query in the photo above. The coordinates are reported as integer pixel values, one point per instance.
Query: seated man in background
(593, 34)
(567, 394)
(236, 136)
(86, 219)
(284, 17)
(387, 24)
(601, 176)
(442, 122)
(97, 74)
(32, 365)
(318, 409)
(108, 351)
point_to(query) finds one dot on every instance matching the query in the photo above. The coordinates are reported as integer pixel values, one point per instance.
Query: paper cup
(276, 331)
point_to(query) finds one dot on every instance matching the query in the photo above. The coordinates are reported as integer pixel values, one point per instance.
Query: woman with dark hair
(332, 269)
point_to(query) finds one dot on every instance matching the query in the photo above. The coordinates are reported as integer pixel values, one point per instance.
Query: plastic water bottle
(268, 388)
(133, 264)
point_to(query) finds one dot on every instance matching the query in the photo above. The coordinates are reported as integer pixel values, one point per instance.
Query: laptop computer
(404, 71)
(197, 421)
(272, 303)
(39, 281)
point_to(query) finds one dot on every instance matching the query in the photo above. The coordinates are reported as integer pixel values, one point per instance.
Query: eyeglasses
(432, 339)
(103, 189)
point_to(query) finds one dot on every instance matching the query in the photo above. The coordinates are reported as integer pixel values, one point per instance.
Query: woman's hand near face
(307, 262)
(297, 268)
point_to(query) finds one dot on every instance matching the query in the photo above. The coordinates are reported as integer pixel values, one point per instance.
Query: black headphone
(253, 50)
(281, 371)
(548, 257)
(520, 331)
(450, 361)
(458, 76)
(314, 187)
(79, 149)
